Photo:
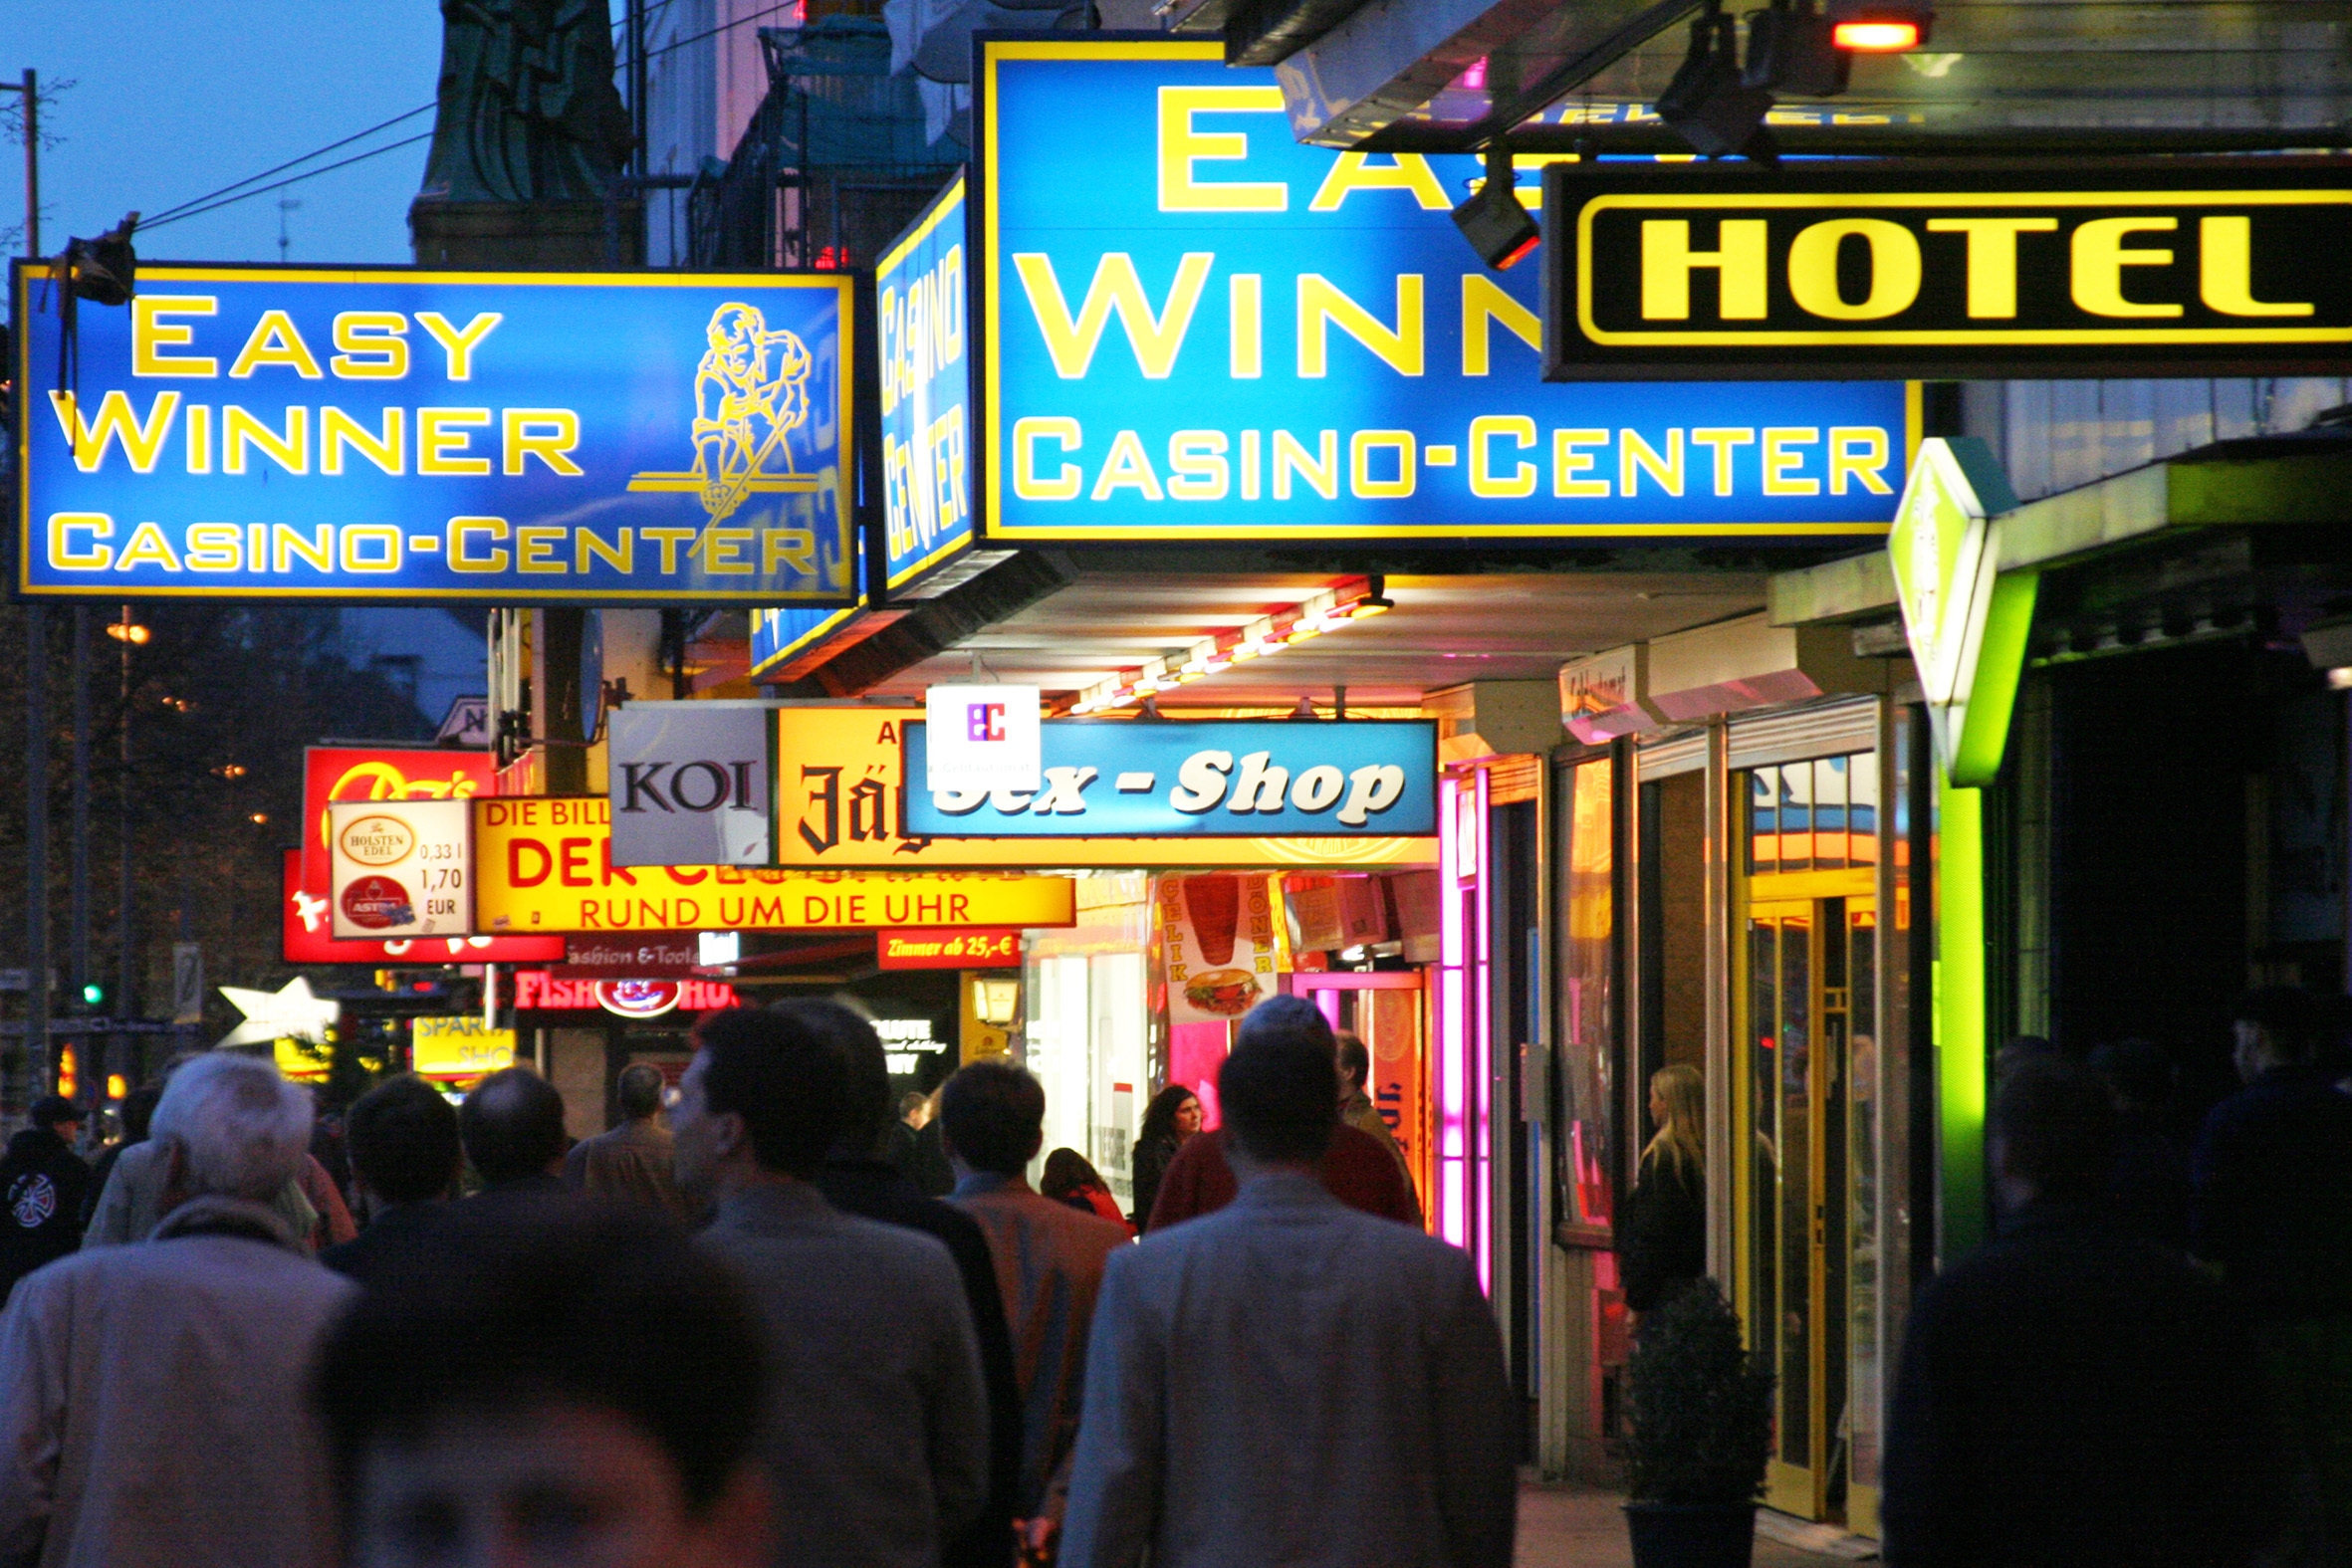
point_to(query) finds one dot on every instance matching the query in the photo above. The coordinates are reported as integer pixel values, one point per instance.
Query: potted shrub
(1700, 1414)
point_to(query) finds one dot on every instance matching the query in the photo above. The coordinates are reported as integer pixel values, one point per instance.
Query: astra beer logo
(2194, 265)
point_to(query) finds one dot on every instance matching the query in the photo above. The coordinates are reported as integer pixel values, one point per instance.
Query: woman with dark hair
(1072, 1178)
(1173, 1116)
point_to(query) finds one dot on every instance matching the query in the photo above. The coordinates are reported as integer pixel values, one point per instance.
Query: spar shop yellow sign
(546, 866)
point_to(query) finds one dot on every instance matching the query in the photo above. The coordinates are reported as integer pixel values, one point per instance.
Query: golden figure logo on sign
(751, 392)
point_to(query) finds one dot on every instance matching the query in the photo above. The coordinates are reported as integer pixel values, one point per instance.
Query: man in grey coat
(1287, 1380)
(151, 1397)
(877, 1427)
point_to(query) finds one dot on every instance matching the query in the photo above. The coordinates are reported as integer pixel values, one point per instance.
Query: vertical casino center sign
(385, 434)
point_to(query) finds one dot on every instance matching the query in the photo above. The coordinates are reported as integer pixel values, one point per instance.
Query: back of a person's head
(2286, 1017)
(1280, 1089)
(402, 1137)
(640, 1090)
(513, 1124)
(1067, 1172)
(2138, 1072)
(1355, 1063)
(138, 1111)
(782, 1076)
(866, 1071)
(51, 1109)
(569, 1306)
(992, 1115)
(243, 1130)
(2055, 1123)
(1288, 1018)
(910, 1102)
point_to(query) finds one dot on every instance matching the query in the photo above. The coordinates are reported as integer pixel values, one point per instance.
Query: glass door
(1805, 1201)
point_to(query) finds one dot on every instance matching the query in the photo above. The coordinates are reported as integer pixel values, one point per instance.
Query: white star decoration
(290, 1012)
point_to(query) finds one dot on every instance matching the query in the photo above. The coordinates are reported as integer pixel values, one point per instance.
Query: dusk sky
(175, 98)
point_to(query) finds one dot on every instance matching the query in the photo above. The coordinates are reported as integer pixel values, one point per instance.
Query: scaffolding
(835, 164)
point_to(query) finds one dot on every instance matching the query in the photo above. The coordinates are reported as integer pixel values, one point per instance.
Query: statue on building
(527, 108)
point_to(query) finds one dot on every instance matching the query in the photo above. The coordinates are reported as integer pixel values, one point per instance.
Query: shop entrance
(1803, 1190)
(1385, 1009)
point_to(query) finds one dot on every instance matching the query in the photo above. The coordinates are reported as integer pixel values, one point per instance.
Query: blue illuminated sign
(1195, 328)
(781, 635)
(258, 432)
(921, 291)
(1109, 778)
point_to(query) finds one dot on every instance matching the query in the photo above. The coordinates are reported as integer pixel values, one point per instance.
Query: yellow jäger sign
(546, 866)
(841, 803)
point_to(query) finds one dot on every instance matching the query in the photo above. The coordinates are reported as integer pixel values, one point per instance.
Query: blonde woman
(1662, 1239)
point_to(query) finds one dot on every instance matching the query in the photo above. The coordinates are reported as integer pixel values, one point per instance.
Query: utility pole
(78, 959)
(35, 687)
(123, 999)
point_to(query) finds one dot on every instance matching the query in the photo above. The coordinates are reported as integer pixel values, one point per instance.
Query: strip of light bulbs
(1269, 635)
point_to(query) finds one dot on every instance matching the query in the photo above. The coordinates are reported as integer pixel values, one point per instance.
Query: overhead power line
(200, 205)
(197, 201)
(295, 179)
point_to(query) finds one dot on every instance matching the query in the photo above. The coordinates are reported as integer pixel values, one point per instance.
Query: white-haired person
(152, 1397)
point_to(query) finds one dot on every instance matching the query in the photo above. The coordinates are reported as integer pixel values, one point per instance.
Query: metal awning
(2229, 539)
(1999, 75)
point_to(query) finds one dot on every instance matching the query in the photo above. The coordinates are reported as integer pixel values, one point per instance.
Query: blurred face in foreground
(568, 1486)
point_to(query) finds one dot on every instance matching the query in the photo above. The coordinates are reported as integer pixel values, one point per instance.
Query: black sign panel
(2155, 267)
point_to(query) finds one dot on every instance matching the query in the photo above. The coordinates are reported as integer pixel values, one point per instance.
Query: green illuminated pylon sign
(1967, 620)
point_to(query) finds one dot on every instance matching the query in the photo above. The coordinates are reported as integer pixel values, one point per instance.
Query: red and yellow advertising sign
(948, 950)
(382, 772)
(305, 930)
(841, 803)
(546, 866)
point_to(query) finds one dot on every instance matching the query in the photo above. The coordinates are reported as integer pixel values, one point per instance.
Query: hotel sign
(2179, 266)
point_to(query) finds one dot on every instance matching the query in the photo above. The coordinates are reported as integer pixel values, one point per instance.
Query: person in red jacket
(1357, 1169)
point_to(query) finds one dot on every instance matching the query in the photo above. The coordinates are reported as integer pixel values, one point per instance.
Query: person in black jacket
(1662, 1239)
(856, 1180)
(43, 1182)
(1169, 1122)
(2074, 1394)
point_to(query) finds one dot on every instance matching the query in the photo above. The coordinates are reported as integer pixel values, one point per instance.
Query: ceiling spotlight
(1880, 27)
(1790, 50)
(1494, 219)
(1708, 103)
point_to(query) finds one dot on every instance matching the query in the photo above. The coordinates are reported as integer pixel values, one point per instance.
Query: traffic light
(94, 995)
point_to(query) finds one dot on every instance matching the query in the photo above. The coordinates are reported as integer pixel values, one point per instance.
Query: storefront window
(1585, 992)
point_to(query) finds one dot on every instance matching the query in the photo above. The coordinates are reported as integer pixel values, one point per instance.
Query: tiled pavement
(1578, 1527)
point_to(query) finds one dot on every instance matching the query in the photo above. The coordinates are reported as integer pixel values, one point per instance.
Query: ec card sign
(270, 432)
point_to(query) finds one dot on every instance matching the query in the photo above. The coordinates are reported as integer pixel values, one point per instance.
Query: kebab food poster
(1225, 943)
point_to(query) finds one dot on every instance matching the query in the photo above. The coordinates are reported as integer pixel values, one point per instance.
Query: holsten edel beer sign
(2164, 266)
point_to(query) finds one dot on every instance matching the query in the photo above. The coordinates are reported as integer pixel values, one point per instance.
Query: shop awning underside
(1997, 76)
(2238, 539)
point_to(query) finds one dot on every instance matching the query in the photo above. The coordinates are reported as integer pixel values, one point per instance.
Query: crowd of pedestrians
(746, 1337)
(748, 1327)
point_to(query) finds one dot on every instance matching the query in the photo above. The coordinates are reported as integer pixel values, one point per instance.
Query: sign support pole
(37, 847)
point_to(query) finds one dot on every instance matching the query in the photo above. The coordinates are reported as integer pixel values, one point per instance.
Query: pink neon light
(1453, 1217)
(1483, 1052)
